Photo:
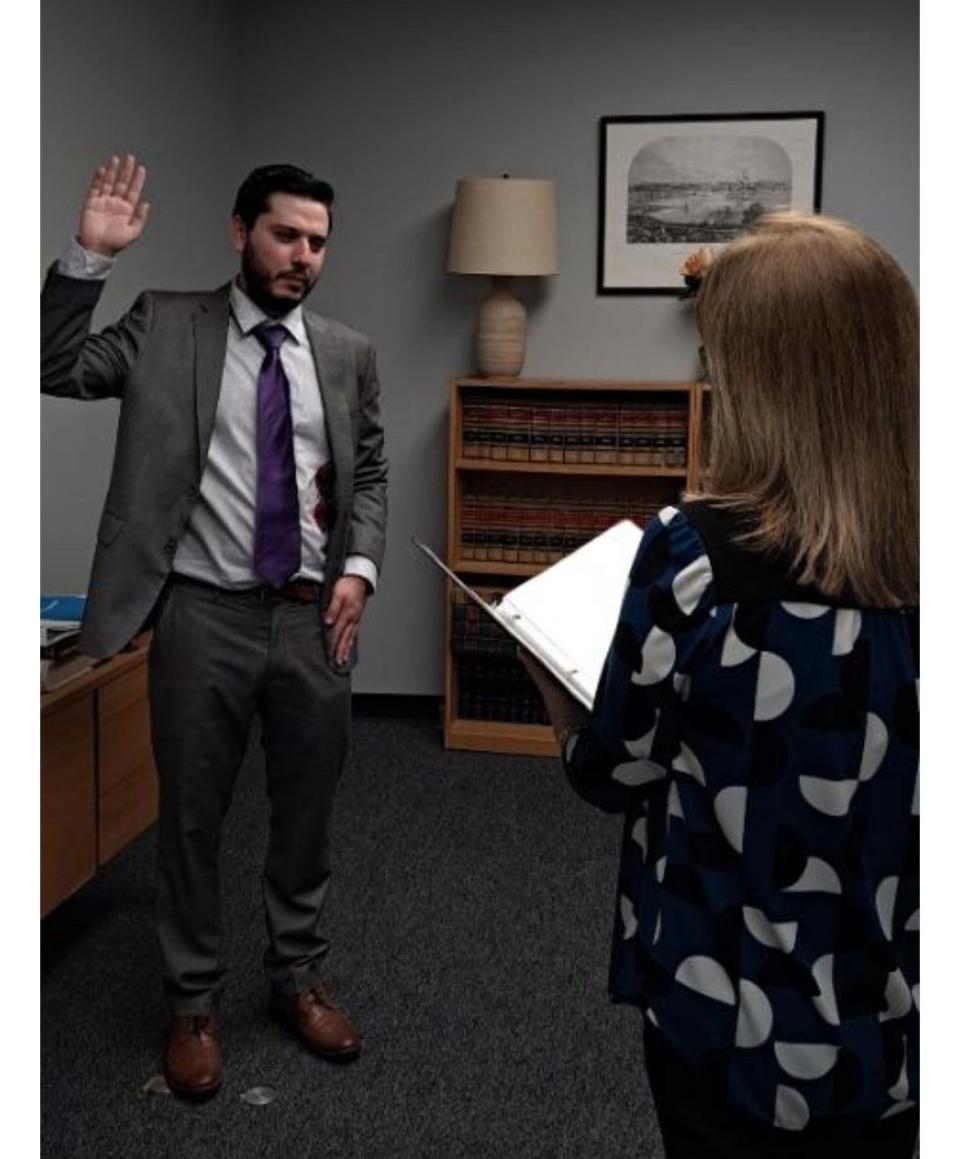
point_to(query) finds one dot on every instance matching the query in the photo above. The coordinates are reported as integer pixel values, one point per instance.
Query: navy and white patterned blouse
(762, 741)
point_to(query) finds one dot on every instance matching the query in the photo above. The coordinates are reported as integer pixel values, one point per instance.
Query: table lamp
(505, 227)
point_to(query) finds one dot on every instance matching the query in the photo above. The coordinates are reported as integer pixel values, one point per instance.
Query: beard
(258, 285)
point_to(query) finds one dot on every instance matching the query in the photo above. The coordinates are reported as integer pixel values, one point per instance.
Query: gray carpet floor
(470, 919)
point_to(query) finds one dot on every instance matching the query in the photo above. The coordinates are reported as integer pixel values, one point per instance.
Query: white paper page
(573, 606)
(521, 630)
(566, 615)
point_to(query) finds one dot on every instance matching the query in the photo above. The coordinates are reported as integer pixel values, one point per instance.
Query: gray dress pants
(217, 660)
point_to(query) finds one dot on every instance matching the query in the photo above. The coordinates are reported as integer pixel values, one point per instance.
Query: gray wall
(394, 102)
(115, 81)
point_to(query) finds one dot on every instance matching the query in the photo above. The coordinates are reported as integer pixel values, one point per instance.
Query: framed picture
(669, 185)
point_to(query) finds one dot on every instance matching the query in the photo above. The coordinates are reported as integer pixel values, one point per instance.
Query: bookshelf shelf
(602, 469)
(495, 567)
(578, 385)
(551, 463)
(494, 736)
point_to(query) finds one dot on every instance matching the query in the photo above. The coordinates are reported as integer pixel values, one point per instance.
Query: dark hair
(254, 193)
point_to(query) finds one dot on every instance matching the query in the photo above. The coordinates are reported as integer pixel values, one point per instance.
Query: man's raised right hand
(113, 215)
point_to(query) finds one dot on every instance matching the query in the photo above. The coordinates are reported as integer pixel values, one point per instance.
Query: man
(245, 520)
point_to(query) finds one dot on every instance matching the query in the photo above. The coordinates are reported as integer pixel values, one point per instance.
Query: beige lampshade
(503, 226)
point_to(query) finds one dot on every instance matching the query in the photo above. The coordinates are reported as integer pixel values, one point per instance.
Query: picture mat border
(817, 116)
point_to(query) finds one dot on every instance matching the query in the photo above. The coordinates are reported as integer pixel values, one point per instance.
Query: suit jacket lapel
(329, 361)
(210, 330)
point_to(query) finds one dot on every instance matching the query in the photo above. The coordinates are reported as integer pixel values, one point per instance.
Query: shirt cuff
(76, 262)
(363, 567)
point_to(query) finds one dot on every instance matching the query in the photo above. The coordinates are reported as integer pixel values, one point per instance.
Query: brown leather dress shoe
(192, 1062)
(322, 1025)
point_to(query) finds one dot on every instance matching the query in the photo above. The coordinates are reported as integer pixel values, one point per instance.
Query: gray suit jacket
(164, 361)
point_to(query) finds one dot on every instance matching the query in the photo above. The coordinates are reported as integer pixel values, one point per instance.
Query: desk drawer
(68, 810)
(126, 810)
(124, 728)
(127, 801)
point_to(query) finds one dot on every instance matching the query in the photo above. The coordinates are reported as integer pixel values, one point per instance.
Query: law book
(571, 433)
(497, 688)
(495, 517)
(541, 518)
(643, 418)
(511, 530)
(589, 419)
(482, 420)
(626, 435)
(468, 528)
(518, 433)
(499, 418)
(566, 615)
(605, 450)
(527, 522)
(558, 431)
(539, 433)
(555, 534)
(678, 437)
(472, 430)
(473, 633)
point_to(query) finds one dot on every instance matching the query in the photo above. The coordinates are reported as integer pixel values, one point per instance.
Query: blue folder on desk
(62, 609)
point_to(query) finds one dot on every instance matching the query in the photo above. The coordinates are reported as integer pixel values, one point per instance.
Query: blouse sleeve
(631, 737)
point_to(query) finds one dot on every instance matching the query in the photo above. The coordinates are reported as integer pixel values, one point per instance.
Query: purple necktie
(276, 548)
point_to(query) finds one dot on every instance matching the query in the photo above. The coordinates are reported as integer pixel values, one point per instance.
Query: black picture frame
(685, 167)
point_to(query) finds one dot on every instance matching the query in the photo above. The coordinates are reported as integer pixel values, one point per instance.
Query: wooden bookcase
(510, 465)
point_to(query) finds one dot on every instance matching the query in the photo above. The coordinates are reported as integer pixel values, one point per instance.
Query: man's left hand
(344, 613)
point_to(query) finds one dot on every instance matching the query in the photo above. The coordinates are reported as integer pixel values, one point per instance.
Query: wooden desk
(98, 785)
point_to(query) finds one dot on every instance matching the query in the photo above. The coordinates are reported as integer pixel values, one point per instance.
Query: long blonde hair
(810, 330)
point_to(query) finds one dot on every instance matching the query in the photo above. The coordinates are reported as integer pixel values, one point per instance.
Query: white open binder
(566, 615)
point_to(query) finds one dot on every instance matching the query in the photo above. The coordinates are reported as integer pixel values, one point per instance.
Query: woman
(757, 720)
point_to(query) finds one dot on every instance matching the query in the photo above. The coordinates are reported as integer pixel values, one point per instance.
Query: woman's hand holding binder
(566, 713)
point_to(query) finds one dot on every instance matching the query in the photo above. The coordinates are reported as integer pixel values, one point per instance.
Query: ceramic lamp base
(501, 332)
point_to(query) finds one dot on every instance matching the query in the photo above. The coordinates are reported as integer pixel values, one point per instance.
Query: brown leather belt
(304, 591)
(301, 591)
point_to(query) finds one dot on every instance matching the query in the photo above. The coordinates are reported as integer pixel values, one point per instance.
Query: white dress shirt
(217, 543)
